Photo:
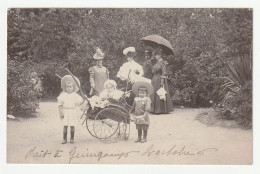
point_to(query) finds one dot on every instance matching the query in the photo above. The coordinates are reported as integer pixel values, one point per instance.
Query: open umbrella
(156, 39)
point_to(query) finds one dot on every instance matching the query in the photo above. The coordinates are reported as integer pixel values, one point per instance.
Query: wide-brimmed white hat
(99, 55)
(112, 82)
(129, 49)
(67, 78)
(142, 84)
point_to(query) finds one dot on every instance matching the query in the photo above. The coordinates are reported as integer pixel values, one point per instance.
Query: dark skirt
(160, 106)
(142, 126)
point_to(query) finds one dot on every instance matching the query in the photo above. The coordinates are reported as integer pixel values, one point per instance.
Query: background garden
(211, 65)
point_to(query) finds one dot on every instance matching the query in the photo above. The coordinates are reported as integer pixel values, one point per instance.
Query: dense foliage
(236, 94)
(51, 39)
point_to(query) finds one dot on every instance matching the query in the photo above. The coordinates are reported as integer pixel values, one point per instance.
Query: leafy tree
(52, 39)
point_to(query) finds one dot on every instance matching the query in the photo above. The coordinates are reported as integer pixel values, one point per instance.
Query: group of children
(69, 100)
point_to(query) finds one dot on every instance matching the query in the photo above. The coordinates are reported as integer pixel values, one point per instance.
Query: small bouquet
(96, 101)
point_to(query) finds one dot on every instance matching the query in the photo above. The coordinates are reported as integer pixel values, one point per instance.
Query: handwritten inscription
(37, 154)
(150, 151)
(74, 154)
(173, 151)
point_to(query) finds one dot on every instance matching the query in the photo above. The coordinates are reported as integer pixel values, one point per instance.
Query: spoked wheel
(90, 126)
(109, 125)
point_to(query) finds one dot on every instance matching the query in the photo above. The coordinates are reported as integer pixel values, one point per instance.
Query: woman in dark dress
(147, 65)
(160, 106)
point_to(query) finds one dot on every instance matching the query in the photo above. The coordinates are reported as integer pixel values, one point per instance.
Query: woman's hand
(162, 82)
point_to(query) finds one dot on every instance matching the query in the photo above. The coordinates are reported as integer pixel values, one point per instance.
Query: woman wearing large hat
(130, 71)
(98, 74)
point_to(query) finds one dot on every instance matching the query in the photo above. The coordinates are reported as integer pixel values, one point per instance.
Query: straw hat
(129, 49)
(112, 82)
(67, 78)
(142, 84)
(99, 55)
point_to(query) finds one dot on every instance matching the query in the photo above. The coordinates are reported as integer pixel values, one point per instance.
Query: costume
(142, 105)
(133, 69)
(68, 105)
(147, 66)
(159, 72)
(98, 75)
(70, 110)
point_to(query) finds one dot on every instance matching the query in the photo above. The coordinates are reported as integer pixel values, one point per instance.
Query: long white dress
(134, 70)
(71, 111)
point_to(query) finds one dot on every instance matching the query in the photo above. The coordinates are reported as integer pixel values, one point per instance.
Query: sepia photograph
(132, 86)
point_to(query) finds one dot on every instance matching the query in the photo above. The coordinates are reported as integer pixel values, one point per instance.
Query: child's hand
(61, 111)
(61, 115)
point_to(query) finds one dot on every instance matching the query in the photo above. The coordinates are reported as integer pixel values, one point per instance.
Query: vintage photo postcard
(147, 87)
(129, 86)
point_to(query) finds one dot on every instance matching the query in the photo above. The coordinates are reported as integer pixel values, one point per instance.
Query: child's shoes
(71, 140)
(138, 140)
(143, 140)
(64, 141)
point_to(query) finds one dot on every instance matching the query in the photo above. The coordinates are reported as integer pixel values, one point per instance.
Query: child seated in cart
(142, 105)
(111, 93)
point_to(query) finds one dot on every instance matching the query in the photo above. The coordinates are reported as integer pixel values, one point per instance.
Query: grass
(214, 119)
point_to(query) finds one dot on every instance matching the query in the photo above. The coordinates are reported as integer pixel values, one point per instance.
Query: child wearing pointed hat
(98, 73)
(142, 106)
(68, 101)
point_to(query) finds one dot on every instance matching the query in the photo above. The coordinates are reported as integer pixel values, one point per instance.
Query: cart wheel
(108, 124)
(90, 126)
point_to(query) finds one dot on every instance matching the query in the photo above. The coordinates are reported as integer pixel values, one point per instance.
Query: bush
(52, 39)
(236, 94)
(24, 88)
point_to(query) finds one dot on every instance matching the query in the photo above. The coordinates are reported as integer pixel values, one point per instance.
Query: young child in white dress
(68, 102)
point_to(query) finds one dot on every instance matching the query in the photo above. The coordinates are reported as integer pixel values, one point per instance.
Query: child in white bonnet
(111, 91)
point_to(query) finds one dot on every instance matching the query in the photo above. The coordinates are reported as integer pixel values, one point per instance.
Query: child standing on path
(141, 106)
(68, 102)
